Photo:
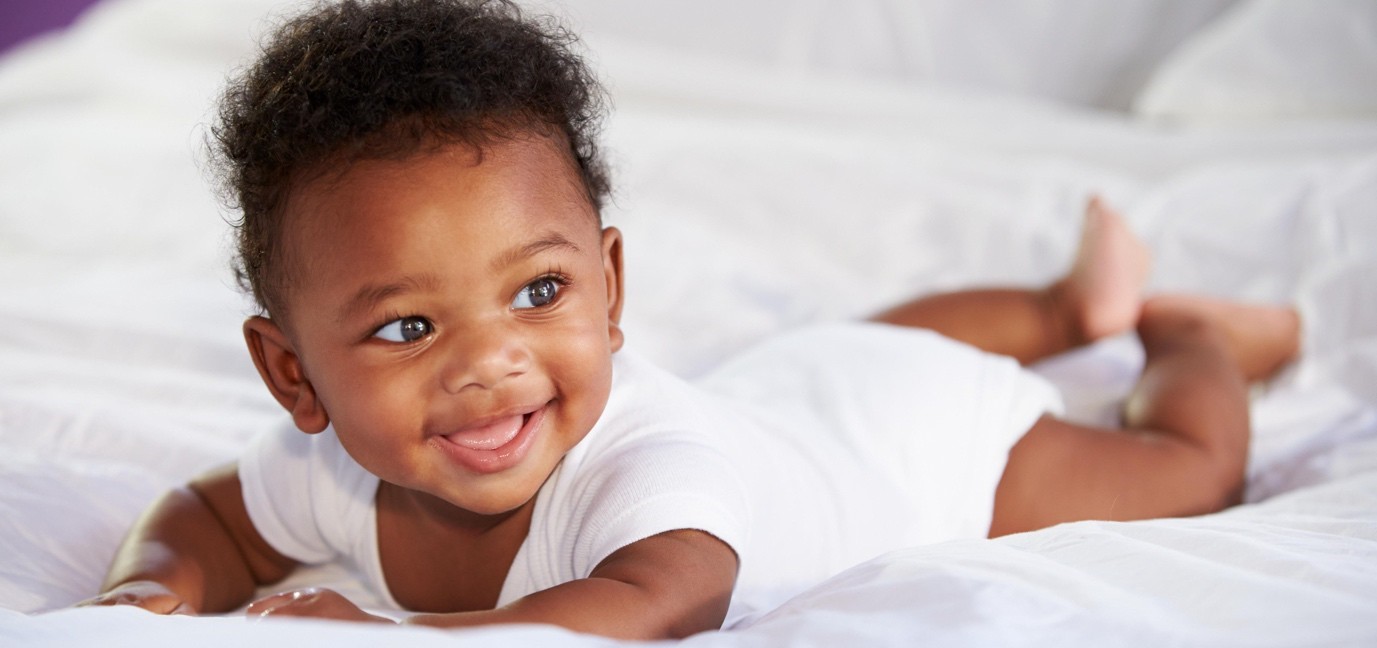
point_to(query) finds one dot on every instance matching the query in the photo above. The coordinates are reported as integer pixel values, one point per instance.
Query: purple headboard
(22, 19)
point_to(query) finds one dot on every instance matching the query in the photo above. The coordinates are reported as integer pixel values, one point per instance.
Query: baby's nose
(483, 359)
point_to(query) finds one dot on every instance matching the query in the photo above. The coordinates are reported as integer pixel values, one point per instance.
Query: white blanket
(798, 162)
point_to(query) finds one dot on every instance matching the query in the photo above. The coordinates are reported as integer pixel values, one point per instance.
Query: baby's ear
(281, 370)
(612, 271)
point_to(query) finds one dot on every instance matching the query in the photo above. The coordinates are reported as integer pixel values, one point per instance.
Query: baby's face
(456, 315)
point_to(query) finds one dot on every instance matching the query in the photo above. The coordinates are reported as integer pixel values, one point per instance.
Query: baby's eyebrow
(549, 241)
(369, 296)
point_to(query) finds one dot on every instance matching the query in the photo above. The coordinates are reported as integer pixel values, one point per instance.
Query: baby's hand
(149, 595)
(311, 602)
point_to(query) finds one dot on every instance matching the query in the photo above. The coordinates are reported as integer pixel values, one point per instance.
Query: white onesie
(812, 452)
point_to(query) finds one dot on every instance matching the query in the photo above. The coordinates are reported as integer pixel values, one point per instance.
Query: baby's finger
(275, 602)
(154, 598)
(312, 602)
(184, 610)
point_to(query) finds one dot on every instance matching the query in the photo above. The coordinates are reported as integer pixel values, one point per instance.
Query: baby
(420, 189)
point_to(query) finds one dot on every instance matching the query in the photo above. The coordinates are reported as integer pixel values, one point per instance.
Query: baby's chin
(501, 494)
(496, 504)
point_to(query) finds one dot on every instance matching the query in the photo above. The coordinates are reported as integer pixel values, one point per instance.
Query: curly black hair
(369, 79)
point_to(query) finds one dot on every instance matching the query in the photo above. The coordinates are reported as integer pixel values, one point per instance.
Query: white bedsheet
(754, 198)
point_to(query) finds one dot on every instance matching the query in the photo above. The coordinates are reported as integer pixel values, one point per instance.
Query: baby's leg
(1184, 445)
(1100, 296)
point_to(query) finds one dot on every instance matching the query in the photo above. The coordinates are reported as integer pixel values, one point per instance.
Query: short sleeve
(308, 499)
(652, 488)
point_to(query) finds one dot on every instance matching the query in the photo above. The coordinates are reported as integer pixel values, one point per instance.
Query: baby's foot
(1104, 289)
(1262, 339)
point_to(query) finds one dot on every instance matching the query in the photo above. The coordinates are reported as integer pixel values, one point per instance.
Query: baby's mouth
(491, 435)
(495, 444)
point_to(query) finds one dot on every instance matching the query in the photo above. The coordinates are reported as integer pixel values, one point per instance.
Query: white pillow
(1085, 52)
(1272, 59)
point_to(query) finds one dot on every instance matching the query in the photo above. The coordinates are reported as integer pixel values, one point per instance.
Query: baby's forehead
(546, 159)
(531, 180)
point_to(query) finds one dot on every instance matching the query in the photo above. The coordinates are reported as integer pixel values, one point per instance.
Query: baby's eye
(406, 329)
(538, 293)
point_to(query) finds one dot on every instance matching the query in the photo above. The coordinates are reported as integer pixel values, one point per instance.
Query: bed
(776, 163)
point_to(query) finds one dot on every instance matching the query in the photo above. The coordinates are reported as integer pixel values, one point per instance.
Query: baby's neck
(426, 545)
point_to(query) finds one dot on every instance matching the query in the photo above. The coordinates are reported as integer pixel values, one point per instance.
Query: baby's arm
(667, 586)
(195, 550)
